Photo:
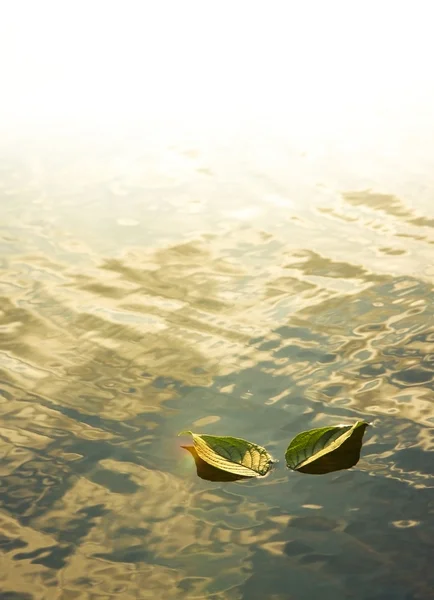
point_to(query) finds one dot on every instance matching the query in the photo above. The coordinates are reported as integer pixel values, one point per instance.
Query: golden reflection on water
(133, 306)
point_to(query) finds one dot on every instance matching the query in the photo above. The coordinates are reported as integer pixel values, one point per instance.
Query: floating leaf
(231, 454)
(210, 473)
(327, 449)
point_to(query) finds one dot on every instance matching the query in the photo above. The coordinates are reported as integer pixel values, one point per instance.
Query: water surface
(253, 285)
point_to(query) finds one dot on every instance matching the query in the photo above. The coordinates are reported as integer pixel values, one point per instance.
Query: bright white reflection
(303, 65)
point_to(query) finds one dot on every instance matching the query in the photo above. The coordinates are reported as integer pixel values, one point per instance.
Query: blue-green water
(247, 287)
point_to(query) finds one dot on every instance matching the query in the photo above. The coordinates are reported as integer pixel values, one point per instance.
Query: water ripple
(254, 321)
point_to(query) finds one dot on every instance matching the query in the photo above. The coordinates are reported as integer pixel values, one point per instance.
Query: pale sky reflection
(303, 67)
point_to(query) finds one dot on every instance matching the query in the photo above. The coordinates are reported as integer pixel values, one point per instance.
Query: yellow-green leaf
(210, 473)
(327, 449)
(233, 455)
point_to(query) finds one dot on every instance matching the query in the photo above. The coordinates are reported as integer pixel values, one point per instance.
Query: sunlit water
(250, 272)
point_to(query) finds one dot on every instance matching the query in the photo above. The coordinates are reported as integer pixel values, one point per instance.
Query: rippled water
(246, 287)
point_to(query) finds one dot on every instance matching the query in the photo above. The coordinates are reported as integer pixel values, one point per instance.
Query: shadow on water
(102, 363)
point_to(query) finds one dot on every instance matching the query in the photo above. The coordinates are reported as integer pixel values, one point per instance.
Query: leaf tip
(184, 433)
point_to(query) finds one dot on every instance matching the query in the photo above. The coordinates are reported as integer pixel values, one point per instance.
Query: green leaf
(327, 449)
(208, 472)
(233, 455)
